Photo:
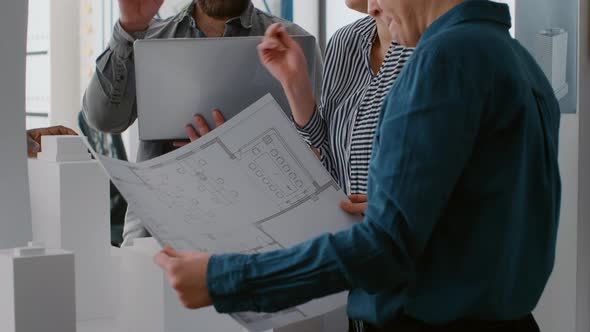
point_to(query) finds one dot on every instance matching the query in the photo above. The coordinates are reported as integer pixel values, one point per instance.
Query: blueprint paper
(250, 186)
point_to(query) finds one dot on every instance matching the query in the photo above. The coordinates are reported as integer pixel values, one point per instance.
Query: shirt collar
(368, 31)
(245, 19)
(470, 10)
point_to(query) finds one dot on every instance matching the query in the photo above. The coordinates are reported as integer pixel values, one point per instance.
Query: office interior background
(66, 36)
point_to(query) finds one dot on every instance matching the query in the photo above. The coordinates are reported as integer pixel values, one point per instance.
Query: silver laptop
(177, 78)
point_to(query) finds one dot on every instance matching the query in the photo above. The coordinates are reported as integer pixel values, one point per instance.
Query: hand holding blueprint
(252, 185)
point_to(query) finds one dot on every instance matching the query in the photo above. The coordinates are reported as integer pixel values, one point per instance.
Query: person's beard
(223, 8)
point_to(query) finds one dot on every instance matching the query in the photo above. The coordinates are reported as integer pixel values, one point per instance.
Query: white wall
(338, 15)
(274, 5)
(15, 215)
(306, 14)
(557, 308)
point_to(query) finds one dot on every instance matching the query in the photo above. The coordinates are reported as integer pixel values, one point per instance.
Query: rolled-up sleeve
(421, 149)
(315, 131)
(109, 101)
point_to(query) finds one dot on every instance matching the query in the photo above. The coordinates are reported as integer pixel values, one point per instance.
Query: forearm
(362, 257)
(109, 100)
(273, 281)
(315, 133)
(301, 98)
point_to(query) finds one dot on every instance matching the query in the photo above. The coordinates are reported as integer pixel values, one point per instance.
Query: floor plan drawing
(250, 186)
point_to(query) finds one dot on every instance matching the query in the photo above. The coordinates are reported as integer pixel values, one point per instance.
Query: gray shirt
(109, 102)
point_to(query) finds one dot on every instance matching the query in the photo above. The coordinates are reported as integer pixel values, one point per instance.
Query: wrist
(207, 301)
(300, 94)
(295, 83)
(133, 27)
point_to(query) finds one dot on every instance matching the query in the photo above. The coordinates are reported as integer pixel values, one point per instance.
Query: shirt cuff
(313, 130)
(226, 283)
(121, 42)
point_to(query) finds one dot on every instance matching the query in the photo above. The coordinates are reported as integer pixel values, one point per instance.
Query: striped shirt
(344, 124)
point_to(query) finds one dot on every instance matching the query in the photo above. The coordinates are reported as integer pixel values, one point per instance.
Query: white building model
(37, 291)
(70, 210)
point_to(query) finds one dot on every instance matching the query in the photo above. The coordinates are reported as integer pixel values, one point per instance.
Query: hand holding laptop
(199, 127)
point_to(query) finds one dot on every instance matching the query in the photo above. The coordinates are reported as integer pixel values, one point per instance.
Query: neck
(384, 37)
(211, 27)
(429, 14)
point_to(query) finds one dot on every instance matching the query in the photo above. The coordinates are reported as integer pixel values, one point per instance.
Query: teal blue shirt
(464, 193)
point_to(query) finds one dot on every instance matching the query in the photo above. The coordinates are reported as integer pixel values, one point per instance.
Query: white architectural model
(15, 222)
(149, 304)
(37, 292)
(551, 54)
(70, 210)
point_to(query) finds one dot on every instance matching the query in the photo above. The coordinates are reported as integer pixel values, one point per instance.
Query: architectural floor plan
(250, 186)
